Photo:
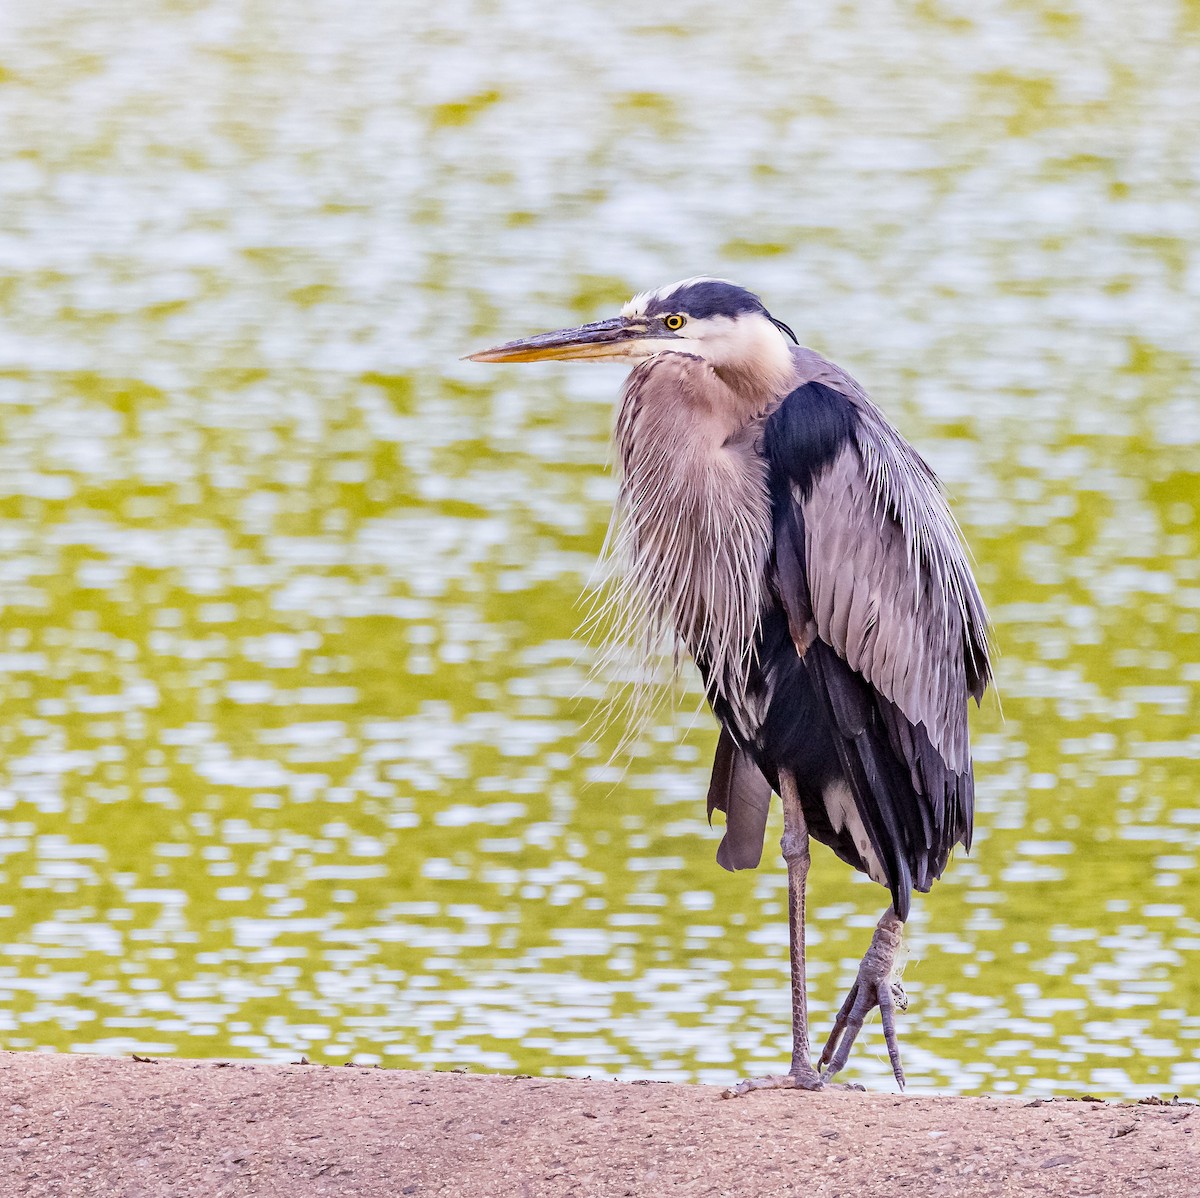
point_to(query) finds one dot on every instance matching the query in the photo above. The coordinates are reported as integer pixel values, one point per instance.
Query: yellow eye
(674, 321)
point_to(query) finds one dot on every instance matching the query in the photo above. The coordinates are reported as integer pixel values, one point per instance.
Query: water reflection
(300, 746)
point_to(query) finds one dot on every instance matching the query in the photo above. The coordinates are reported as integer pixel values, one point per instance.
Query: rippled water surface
(300, 751)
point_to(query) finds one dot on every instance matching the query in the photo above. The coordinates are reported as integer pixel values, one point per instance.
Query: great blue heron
(804, 554)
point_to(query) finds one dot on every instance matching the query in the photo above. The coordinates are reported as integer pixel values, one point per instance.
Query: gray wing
(897, 603)
(869, 565)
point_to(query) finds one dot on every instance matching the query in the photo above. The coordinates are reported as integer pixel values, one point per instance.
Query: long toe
(804, 1079)
(839, 1027)
(868, 993)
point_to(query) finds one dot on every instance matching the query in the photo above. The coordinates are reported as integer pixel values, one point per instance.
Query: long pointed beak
(613, 339)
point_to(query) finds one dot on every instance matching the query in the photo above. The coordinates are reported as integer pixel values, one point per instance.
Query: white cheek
(717, 346)
(683, 345)
(756, 345)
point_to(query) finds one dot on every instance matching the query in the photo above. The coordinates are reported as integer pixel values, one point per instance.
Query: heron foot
(806, 1078)
(874, 987)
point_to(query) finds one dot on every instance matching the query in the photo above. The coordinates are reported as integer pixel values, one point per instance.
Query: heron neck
(754, 385)
(746, 397)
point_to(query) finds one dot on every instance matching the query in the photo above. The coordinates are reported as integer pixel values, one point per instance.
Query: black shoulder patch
(806, 432)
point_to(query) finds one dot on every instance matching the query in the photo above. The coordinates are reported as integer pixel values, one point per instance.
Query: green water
(300, 749)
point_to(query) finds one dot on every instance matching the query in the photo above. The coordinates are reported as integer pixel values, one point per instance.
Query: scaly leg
(872, 988)
(801, 1076)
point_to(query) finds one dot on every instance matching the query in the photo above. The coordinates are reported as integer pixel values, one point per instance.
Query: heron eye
(674, 321)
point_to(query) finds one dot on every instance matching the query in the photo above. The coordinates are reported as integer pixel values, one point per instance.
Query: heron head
(713, 319)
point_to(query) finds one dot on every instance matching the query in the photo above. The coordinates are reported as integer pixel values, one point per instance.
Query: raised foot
(809, 1079)
(872, 988)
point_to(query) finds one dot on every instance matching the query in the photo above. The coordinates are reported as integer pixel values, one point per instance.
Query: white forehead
(640, 302)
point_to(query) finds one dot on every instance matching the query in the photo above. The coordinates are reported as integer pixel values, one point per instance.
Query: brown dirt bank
(97, 1126)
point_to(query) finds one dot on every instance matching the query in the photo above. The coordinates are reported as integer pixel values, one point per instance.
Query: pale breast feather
(694, 523)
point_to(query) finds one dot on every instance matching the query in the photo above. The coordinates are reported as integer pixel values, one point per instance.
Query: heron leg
(873, 987)
(801, 1075)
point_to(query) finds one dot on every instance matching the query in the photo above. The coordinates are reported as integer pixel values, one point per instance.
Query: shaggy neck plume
(695, 518)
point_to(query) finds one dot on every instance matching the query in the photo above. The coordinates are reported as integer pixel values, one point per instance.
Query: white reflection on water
(299, 745)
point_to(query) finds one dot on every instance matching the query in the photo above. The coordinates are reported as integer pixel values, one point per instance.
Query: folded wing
(881, 605)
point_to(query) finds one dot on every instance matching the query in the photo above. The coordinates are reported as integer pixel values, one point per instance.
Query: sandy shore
(96, 1126)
